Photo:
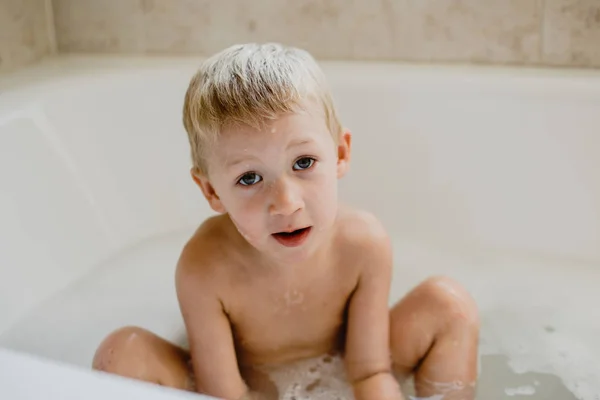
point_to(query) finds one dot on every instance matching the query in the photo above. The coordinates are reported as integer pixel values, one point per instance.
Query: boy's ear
(207, 190)
(343, 152)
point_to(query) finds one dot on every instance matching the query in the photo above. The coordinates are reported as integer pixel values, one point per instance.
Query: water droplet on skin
(131, 337)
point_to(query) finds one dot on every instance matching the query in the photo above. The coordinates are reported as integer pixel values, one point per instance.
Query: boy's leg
(139, 354)
(434, 333)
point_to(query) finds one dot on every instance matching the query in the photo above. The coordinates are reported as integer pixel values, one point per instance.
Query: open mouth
(293, 238)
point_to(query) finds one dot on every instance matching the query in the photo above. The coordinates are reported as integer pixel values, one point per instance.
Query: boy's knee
(124, 344)
(452, 300)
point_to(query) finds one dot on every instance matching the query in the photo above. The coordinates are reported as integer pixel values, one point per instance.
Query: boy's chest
(288, 319)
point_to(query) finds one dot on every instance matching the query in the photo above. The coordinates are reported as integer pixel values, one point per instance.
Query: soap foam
(526, 390)
(435, 397)
(319, 378)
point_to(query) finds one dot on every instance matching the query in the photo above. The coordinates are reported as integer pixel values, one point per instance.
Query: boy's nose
(285, 199)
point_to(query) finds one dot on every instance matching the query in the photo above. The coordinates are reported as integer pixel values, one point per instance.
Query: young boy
(285, 272)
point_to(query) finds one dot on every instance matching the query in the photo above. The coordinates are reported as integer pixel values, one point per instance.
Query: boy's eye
(250, 179)
(304, 163)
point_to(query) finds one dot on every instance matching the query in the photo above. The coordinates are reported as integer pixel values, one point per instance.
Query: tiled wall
(26, 32)
(524, 32)
(547, 32)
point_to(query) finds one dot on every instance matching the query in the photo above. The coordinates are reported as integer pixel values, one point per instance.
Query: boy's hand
(381, 386)
(256, 396)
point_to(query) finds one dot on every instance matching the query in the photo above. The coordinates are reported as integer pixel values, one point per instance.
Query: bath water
(324, 378)
(320, 378)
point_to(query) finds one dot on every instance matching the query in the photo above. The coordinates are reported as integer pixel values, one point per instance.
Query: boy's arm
(210, 338)
(367, 357)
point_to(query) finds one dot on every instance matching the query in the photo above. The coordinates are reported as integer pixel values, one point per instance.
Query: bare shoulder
(203, 255)
(364, 239)
(361, 228)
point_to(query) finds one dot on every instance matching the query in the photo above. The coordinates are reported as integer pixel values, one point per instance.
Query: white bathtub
(491, 176)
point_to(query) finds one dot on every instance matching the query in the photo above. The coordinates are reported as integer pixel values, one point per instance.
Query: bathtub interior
(490, 176)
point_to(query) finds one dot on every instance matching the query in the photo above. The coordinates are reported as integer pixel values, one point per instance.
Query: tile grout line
(542, 31)
(50, 26)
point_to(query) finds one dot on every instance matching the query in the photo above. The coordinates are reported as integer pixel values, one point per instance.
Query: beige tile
(204, 26)
(491, 31)
(187, 26)
(6, 36)
(98, 25)
(374, 29)
(323, 27)
(572, 33)
(23, 32)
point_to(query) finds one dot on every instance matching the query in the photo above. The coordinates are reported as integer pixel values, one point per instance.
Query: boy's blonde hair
(248, 85)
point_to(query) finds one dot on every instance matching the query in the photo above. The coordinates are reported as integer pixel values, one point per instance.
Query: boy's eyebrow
(245, 157)
(238, 160)
(299, 142)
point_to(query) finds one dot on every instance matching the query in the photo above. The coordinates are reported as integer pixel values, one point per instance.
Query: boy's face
(279, 184)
